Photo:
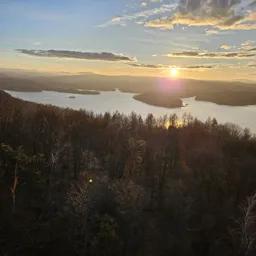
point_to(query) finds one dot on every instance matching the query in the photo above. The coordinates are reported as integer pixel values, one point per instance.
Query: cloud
(144, 4)
(248, 45)
(218, 14)
(141, 65)
(217, 55)
(161, 66)
(200, 67)
(104, 56)
(139, 17)
(225, 47)
(212, 32)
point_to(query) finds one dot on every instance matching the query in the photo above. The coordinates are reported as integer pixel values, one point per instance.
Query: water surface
(244, 116)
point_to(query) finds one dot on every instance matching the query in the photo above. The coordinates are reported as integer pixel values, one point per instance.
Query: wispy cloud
(154, 66)
(161, 66)
(226, 47)
(211, 32)
(200, 67)
(216, 55)
(140, 17)
(248, 45)
(104, 56)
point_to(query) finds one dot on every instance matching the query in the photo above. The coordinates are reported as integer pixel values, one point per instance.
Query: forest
(76, 183)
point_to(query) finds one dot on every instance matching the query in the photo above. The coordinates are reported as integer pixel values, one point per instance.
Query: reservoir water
(112, 101)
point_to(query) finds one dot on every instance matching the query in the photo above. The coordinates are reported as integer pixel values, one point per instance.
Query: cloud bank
(218, 14)
(104, 56)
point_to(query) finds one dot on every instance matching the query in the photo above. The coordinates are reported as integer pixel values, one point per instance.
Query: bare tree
(247, 227)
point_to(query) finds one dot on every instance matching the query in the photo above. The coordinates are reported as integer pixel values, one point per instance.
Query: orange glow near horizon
(15, 61)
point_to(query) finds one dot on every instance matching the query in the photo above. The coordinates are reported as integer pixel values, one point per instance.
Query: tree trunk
(13, 188)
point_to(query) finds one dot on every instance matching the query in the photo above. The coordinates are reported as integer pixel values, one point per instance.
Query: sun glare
(174, 72)
(178, 123)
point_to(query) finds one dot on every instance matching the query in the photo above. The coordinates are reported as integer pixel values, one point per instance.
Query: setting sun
(174, 72)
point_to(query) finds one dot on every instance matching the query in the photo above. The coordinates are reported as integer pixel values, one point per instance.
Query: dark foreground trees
(75, 183)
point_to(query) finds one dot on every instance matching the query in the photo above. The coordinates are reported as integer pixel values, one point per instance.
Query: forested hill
(75, 183)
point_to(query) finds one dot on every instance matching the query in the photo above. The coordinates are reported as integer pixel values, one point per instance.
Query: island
(159, 99)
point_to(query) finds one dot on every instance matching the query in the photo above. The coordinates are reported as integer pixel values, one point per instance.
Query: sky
(199, 39)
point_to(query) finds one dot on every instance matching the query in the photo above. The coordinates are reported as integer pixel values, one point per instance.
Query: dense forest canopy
(76, 183)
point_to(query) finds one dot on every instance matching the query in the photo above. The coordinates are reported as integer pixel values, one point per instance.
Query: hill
(75, 183)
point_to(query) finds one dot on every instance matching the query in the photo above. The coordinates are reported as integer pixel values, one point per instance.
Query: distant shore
(146, 88)
(78, 91)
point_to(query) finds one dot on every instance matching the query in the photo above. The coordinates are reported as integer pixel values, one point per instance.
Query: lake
(112, 101)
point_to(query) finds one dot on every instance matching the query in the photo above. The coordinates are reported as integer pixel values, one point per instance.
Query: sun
(174, 72)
